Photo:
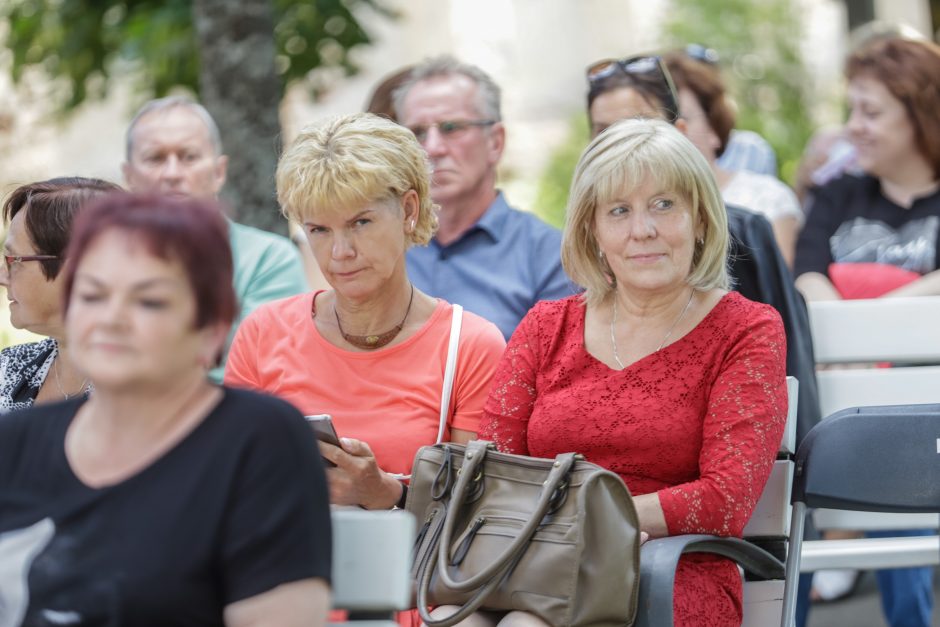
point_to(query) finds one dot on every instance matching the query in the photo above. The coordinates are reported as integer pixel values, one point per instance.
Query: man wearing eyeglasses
(173, 148)
(494, 260)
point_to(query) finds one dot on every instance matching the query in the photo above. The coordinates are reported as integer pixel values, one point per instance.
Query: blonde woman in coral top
(370, 351)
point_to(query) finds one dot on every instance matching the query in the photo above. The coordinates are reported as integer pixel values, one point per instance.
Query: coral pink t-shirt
(389, 398)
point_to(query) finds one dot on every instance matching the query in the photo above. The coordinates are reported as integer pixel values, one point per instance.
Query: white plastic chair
(372, 565)
(905, 332)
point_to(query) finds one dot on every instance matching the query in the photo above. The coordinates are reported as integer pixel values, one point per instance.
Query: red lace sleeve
(509, 405)
(743, 426)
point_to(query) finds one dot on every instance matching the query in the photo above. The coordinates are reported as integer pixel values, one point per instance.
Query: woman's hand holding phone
(354, 475)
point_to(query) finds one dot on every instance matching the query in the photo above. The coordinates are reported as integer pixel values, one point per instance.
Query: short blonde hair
(626, 155)
(352, 161)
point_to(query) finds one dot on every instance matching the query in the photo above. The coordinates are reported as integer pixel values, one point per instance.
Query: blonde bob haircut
(631, 153)
(353, 161)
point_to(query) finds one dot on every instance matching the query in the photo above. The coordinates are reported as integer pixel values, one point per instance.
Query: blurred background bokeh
(72, 72)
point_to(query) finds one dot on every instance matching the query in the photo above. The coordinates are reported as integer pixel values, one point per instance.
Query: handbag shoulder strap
(450, 368)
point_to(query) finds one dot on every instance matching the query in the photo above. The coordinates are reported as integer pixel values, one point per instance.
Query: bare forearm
(815, 286)
(303, 603)
(650, 512)
(927, 285)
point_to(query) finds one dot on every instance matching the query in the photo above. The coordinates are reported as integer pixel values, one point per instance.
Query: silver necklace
(55, 374)
(613, 323)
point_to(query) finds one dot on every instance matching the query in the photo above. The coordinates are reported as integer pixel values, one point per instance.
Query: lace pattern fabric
(698, 422)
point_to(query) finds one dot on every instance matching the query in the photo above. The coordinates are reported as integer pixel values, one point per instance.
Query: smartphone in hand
(323, 428)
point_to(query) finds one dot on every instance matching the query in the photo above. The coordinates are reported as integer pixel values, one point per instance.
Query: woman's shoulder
(28, 352)
(734, 311)
(561, 308)
(252, 407)
(256, 419)
(848, 186)
(280, 312)
(31, 431)
(478, 329)
(762, 193)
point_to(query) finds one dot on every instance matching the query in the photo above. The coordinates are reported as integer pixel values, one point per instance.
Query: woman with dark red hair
(161, 499)
(877, 234)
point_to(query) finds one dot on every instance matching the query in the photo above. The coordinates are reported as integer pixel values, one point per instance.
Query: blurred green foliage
(82, 42)
(552, 195)
(758, 45)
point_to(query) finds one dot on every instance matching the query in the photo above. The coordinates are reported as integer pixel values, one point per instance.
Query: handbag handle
(473, 462)
(472, 605)
(494, 574)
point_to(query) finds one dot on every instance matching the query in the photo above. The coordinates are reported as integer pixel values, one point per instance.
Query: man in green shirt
(173, 147)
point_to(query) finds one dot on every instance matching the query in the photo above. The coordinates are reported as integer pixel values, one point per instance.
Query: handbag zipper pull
(464, 547)
(424, 528)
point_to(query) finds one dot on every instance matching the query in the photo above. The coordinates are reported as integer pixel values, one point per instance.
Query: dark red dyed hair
(910, 70)
(190, 231)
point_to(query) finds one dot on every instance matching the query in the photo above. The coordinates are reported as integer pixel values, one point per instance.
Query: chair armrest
(659, 559)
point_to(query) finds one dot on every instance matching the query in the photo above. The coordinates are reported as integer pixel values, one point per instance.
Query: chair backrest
(769, 525)
(880, 329)
(771, 517)
(904, 331)
(873, 459)
(372, 561)
(870, 459)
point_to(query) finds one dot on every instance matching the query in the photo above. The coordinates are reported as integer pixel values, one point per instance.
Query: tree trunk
(242, 91)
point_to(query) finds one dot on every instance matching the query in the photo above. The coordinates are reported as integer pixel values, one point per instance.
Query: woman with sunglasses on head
(39, 221)
(709, 120)
(371, 351)
(161, 498)
(657, 372)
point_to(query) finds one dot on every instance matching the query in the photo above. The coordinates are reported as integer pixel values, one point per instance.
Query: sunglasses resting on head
(647, 73)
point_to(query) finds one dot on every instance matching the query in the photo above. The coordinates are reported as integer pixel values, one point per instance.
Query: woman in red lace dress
(657, 371)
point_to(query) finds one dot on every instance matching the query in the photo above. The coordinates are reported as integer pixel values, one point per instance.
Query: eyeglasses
(648, 74)
(448, 128)
(11, 260)
(702, 53)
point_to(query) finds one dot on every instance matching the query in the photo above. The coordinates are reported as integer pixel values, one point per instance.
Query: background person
(709, 118)
(39, 221)
(890, 215)
(371, 350)
(492, 259)
(174, 148)
(161, 499)
(657, 372)
(877, 235)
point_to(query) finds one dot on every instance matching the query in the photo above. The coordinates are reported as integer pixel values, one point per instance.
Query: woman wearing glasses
(372, 350)
(657, 372)
(39, 220)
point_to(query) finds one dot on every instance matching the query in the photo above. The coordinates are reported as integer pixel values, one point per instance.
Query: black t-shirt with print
(237, 507)
(851, 221)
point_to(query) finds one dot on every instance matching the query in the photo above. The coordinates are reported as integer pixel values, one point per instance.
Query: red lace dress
(698, 422)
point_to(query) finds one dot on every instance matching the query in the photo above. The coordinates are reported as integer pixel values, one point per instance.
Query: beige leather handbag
(555, 537)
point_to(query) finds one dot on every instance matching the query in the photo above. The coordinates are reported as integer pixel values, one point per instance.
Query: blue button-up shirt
(498, 269)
